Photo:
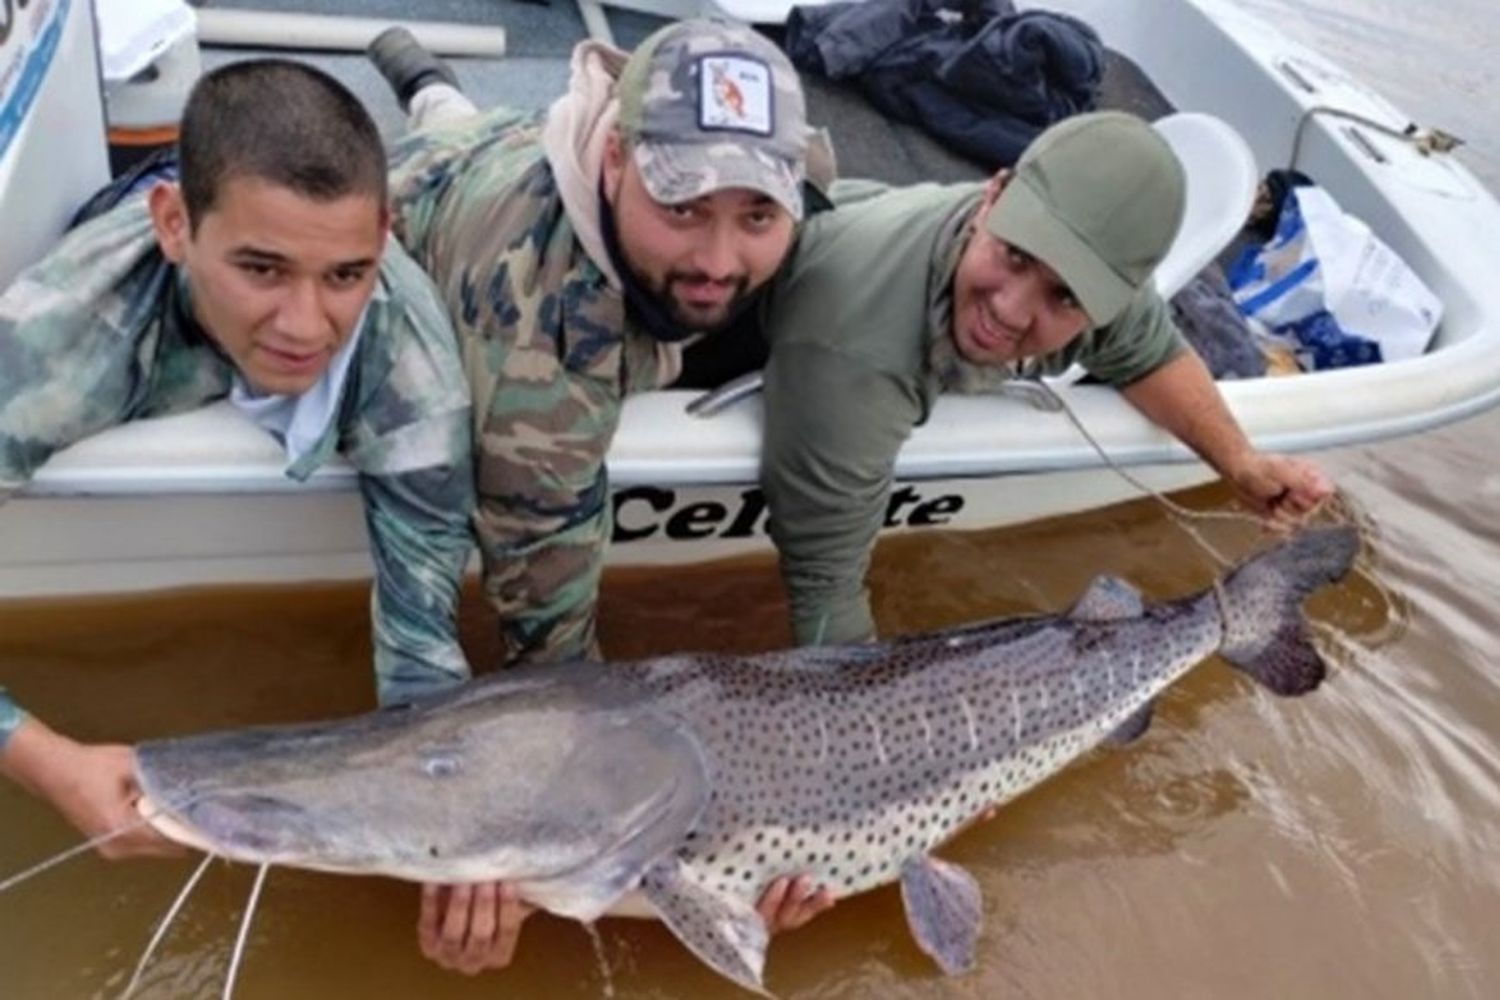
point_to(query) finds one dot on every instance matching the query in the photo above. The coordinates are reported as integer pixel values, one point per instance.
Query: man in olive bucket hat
(611, 245)
(1045, 265)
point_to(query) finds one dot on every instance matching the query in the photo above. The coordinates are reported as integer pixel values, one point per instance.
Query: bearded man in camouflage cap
(606, 247)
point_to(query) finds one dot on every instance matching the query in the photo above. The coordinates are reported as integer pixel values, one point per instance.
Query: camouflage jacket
(100, 333)
(549, 356)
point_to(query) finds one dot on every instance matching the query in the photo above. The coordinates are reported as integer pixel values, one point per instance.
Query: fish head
(512, 788)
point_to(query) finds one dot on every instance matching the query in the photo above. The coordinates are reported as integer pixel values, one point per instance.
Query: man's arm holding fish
(1181, 398)
(63, 381)
(91, 785)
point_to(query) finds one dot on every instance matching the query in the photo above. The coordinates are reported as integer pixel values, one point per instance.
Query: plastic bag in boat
(1332, 290)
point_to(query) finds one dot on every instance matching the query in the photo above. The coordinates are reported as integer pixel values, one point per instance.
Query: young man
(607, 247)
(266, 276)
(1039, 268)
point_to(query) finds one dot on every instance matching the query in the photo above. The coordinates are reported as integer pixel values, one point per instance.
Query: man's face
(1007, 304)
(278, 280)
(700, 258)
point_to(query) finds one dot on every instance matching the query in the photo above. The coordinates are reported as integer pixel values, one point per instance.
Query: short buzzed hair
(279, 121)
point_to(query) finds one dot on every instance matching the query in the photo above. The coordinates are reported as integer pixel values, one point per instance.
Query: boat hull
(201, 498)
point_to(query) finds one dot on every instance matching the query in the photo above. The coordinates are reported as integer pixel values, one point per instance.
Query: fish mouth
(246, 827)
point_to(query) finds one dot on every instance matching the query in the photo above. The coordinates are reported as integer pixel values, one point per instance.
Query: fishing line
(1336, 510)
(1182, 515)
(161, 927)
(244, 935)
(74, 851)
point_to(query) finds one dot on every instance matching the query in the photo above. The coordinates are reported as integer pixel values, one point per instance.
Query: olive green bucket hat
(1098, 198)
(709, 106)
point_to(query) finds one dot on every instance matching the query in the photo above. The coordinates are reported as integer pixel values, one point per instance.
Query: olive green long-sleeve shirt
(861, 346)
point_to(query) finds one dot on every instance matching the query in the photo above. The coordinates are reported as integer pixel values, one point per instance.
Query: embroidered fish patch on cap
(734, 93)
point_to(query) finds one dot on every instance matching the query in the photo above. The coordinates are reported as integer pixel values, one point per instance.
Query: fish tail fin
(1262, 605)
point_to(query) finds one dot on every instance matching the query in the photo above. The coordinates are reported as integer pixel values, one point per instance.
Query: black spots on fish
(432, 851)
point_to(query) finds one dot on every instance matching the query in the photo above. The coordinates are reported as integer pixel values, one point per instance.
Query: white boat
(201, 498)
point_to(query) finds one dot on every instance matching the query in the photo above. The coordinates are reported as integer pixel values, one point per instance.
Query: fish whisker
(72, 852)
(161, 927)
(244, 935)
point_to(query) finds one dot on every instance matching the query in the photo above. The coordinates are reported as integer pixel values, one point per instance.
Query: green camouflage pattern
(100, 332)
(550, 359)
(696, 128)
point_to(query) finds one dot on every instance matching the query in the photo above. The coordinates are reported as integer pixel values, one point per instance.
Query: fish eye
(442, 766)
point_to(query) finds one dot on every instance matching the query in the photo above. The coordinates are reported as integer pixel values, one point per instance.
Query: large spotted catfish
(679, 786)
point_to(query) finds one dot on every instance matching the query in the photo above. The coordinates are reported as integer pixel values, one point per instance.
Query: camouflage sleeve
(420, 541)
(11, 718)
(60, 381)
(544, 516)
(412, 443)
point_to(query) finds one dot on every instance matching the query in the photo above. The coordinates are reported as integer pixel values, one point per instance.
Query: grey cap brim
(1021, 217)
(678, 172)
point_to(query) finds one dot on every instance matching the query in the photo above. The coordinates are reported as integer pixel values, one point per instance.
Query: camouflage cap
(1098, 198)
(709, 106)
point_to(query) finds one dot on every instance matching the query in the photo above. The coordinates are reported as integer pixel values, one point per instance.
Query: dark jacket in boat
(980, 77)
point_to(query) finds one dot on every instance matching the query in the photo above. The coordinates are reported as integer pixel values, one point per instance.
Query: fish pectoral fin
(1108, 599)
(1134, 726)
(944, 911)
(722, 930)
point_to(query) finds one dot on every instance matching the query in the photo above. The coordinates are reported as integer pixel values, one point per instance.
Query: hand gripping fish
(679, 786)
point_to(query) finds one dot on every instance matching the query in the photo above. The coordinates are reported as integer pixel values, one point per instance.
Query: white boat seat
(1221, 182)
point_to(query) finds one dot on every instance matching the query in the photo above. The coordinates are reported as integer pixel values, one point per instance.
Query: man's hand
(791, 901)
(1286, 491)
(93, 786)
(470, 928)
(1182, 398)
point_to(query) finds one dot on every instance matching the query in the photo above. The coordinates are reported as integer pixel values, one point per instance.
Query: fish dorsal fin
(724, 931)
(944, 911)
(1108, 599)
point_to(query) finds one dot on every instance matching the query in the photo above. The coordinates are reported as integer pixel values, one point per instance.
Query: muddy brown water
(1340, 845)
